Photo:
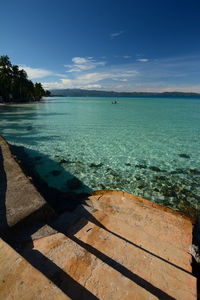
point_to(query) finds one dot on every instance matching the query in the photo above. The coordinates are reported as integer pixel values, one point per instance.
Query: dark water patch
(61, 198)
(56, 172)
(28, 139)
(183, 155)
(74, 184)
(37, 158)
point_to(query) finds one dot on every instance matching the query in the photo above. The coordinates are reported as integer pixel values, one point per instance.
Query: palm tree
(14, 84)
(39, 91)
(5, 78)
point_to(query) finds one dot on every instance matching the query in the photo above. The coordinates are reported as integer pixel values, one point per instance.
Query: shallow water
(146, 146)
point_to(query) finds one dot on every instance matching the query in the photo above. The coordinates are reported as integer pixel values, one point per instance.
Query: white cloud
(34, 73)
(116, 34)
(143, 59)
(79, 60)
(99, 76)
(81, 64)
(91, 80)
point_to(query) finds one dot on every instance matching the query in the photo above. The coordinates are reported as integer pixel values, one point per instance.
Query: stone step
(102, 277)
(165, 277)
(161, 222)
(20, 281)
(111, 268)
(126, 229)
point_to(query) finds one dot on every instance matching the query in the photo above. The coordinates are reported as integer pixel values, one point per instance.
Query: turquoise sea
(149, 147)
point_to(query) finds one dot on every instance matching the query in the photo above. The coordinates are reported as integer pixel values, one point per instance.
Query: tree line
(15, 85)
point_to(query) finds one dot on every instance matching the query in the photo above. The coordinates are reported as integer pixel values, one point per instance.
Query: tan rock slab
(97, 276)
(20, 281)
(164, 223)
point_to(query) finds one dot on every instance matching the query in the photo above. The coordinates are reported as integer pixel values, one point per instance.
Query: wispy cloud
(34, 73)
(93, 79)
(123, 56)
(116, 34)
(143, 59)
(80, 64)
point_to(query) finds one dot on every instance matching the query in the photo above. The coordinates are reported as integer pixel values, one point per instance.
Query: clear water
(146, 146)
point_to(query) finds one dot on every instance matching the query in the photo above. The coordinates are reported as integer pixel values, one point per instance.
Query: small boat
(115, 102)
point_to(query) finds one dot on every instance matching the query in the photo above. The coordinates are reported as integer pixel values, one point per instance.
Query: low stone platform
(18, 197)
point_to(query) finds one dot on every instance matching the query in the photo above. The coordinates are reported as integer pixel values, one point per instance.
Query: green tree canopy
(15, 85)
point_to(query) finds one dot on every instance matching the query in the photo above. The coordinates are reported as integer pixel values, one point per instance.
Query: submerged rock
(156, 169)
(102, 186)
(194, 171)
(93, 165)
(63, 161)
(183, 155)
(128, 164)
(159, 177)
(178, 171)
(169, 191)
(141, 166)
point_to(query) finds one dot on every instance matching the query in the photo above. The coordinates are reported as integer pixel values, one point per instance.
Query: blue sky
(121, 45)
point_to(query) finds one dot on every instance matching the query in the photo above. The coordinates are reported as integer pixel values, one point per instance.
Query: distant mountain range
(95, 93)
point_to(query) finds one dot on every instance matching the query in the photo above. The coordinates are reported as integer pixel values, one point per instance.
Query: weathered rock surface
(18, 197)
(19, 280)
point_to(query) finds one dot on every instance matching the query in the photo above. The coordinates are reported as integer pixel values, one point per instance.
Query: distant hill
(95, 93)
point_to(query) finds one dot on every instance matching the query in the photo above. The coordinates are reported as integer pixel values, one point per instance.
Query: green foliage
(15, 85)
